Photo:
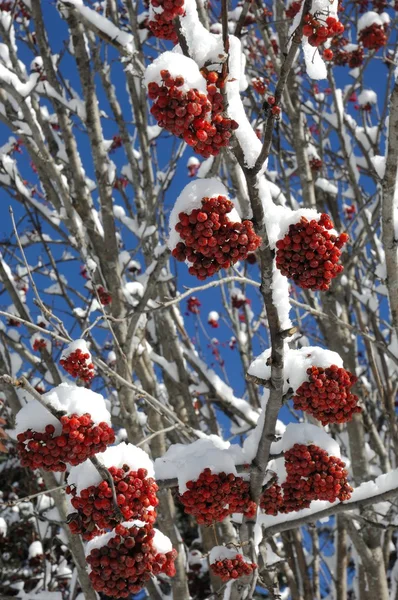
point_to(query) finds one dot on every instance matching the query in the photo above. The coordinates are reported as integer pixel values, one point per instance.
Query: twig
(27, 498)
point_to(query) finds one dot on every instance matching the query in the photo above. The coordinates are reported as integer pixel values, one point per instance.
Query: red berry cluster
(239, 301)
(79, 440)
(211, 241)
(269, 105)
(293, 9)
(123, 566)
(350, 211)
(212, 497)
(39, 344)
(135, 495)
(116, 143)
(213, 323)
(78, 364)
(271, 501)
(373, 37)
(186, 114)
(13, 322)
(315, 164)
(259, 85)
(193, 305)
(232, 568)
(318, 32)
(104, 296)
(162, 26)
(311, 475)
(309, 254)
(327, 395)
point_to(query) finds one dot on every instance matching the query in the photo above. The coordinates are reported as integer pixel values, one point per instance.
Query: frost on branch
(76, 360)
(49, 443)
(206, 229)
(132, 473)
(123, 561)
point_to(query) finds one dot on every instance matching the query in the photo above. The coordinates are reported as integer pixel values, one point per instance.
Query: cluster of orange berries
(211, 241)
(135, 496)
(309, 254)
(212, 497)
(311, 475)
(80, 438)
(327, 395)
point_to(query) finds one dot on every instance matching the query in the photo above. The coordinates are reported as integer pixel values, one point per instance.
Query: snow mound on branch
(296, 363)
(65, 397)
(245, 133)
(187, 462)
(367, 97)
(369, 18)
(160, 541)
(102, 540)
(306, 434)
(213, 316)
(221, 553)
(76, 345)
(177, 65)
(85, 474)
(315, 65)
(35, 549)
(191, 198)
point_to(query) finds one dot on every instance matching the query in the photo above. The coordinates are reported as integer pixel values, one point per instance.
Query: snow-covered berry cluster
(127, 559)
(80, 438)
(162, 16)
(319, 31)
(309, 254)
(373, 37)
(191, 114)
(232, 568)
(211, 241)
(193, 305)
(311, 475)
(76, 360)
(213, 319)
(326, 395)
(178, 111)
(135, 496)
(214, 496)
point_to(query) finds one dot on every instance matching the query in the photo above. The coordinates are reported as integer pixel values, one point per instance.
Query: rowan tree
(199, 314)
